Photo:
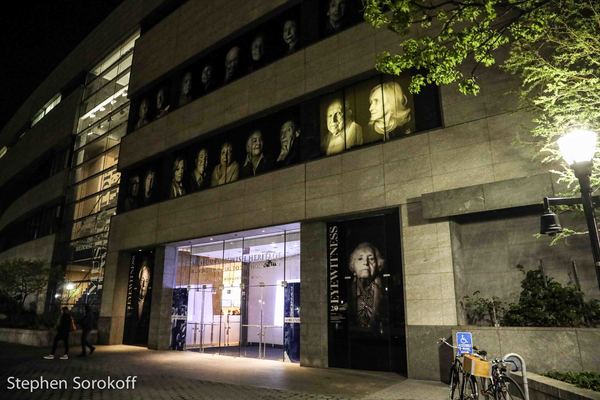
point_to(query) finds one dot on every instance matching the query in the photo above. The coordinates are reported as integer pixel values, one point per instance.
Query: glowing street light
(577, 147)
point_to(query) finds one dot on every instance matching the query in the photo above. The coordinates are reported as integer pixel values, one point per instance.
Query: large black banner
(291, 326)
(139, 297)
(365, 294)
(179, 318)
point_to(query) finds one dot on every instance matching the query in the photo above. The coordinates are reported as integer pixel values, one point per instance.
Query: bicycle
(458, 376)
(500, 386)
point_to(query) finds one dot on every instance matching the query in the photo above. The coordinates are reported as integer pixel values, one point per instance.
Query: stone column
(114, 297)
(313, 295)
(165, 268)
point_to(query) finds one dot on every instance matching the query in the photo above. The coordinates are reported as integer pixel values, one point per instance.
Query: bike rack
(523, 372)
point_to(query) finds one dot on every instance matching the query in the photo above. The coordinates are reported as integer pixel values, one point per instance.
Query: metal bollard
(524, 372)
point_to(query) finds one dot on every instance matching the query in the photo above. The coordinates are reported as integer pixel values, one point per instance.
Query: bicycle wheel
(509, 389)
(469, 388)
(454, 383)
(486, 389)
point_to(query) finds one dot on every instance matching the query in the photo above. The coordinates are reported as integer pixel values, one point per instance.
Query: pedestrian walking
(86, 324)
(65, 326)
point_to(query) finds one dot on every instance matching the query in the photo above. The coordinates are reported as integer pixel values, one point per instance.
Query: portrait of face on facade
(289, 142)
(143, 109)
(207, 77)
(391, 109)
(336, 15)
(199, 176)
(290, 35)
(365, 297)
(366, 265)
(232, 64)
(149, 186)
(259, 50)
(161, 105)
(177, 188)
(185, 90)
(339, 130)
(228, 169)
(139, 296)
(256, 161)
(133, 191)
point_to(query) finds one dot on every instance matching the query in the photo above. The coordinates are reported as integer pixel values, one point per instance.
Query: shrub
(585, 380)
(545, 302)
(542, 302)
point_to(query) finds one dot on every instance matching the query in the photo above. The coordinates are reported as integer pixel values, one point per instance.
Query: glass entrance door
(231, 295)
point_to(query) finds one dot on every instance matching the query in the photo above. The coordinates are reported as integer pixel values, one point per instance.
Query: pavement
(176, 375)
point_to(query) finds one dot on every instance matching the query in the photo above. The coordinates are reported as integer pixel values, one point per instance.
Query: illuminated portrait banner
(365, 300)
(139, 297)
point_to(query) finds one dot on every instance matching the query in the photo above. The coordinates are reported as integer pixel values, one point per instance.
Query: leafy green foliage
(585, 380)
(552, 46)
(545, 302)
(483, 310)
(20, 278)
(542, 302)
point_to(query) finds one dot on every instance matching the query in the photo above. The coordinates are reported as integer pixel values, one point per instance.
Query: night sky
(35, 36)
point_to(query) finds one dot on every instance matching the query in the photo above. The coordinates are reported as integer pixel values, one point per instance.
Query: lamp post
(578, 148)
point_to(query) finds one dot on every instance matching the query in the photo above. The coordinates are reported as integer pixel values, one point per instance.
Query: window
(46, 109)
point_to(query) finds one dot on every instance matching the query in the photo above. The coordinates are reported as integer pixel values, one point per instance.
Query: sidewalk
(187, 375)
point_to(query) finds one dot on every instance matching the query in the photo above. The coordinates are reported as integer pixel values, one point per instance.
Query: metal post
(523, 372)
(583, 171)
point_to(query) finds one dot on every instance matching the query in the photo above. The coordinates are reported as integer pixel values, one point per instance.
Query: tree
(20, 278)
(552, 46)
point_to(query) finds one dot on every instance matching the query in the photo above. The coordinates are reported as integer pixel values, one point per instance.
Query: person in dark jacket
(86, 324)
(63, 329)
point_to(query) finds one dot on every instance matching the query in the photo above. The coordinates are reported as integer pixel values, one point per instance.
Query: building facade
(279, 198)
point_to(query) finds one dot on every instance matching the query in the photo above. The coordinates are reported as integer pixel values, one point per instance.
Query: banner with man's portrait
(139, 297)
(365, 299)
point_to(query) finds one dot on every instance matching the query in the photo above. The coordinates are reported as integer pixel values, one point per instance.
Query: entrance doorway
(238, 294)
(365, 293)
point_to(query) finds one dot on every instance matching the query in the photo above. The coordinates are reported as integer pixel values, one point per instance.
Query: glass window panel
(126, 63)
(265, 255)
(101, 81)
(37, 117)
(96, 203)
(129, 45)
(292, 256)
(115, 135)
(92, 225)
(92, 132)
(111, 157)
(90, 151)
(120, 116)
(90, 168)
(97, 184)
(182, 277)
(84, 249)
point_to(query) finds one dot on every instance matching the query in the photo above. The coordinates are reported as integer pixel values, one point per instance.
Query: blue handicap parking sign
(464, 342)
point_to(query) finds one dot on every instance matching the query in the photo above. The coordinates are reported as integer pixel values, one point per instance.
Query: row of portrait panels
(374, 110)
(283, 34)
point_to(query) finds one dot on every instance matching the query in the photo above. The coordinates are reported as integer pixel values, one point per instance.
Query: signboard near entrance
(464, 342)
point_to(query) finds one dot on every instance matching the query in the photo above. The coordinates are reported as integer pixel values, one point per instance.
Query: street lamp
(577, 148)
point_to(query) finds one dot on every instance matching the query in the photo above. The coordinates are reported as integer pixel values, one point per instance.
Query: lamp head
(549, 224)
(578, 146)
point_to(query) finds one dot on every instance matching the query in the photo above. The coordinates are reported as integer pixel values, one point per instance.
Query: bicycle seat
(479, 352)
